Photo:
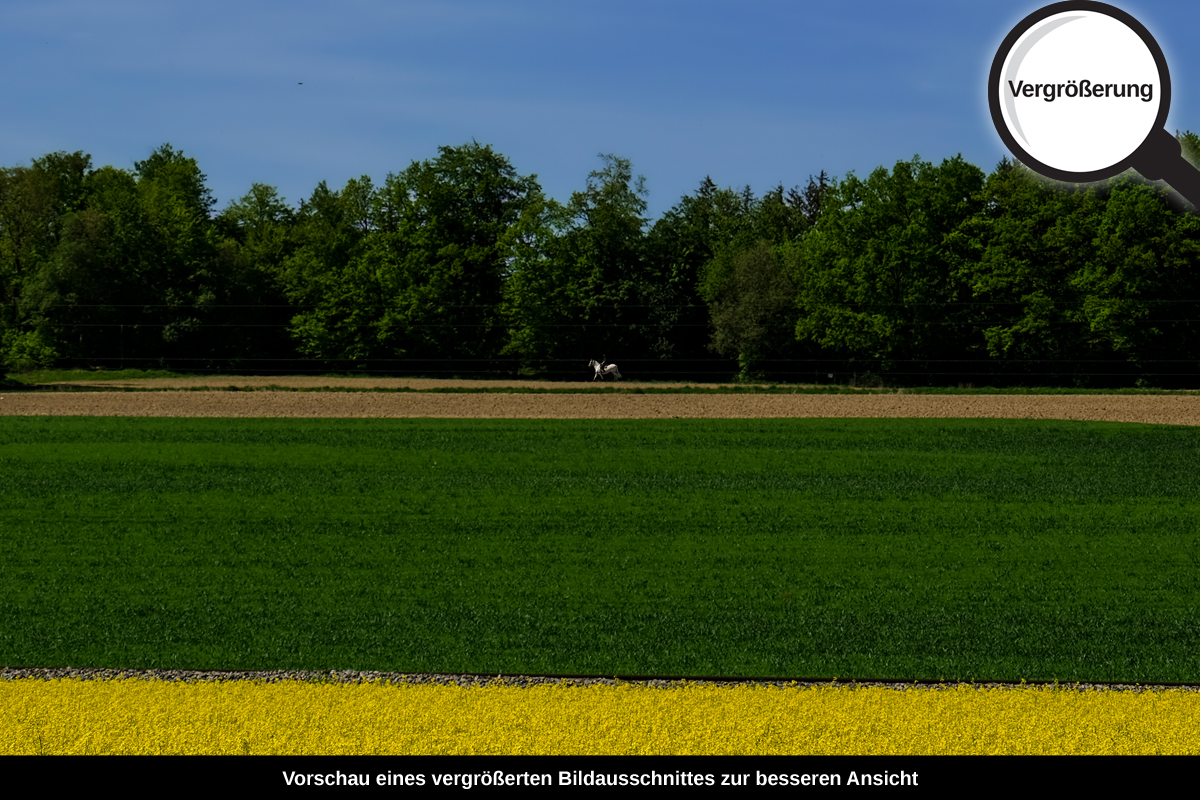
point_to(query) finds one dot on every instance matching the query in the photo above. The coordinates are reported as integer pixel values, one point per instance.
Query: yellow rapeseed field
(135, 716)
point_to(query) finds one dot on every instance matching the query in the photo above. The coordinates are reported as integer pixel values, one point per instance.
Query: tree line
(921, 274)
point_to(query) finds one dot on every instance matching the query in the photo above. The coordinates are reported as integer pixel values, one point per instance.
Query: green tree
(743, 277)
(577, 288)
(755, 316)
(731, 221)
(604, 244)
(34, 202)
(1137, 291)
(181, 260)
(678, 247)
(439, 250)
(879, 285)
(260, 222)
(410, 275)
(812, 200)
(95, 295)
(139, 277)
(336, 305)
(256, 237)
(1017, 255)
(541, 294)
(179, 177)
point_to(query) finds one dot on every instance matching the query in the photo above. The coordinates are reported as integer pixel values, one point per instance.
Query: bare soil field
(169, 402)
(326, 382)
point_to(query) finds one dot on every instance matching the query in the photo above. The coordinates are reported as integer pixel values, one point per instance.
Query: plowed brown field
(1160, 409)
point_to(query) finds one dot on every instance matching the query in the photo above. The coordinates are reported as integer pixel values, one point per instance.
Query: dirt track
(1160, 409)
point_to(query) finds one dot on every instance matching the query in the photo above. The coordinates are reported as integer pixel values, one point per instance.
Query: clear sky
(755, 92)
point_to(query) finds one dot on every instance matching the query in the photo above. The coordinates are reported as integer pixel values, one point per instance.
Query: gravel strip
(526, 681)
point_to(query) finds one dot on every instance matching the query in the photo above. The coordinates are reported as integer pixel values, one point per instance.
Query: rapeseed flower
(136, 716)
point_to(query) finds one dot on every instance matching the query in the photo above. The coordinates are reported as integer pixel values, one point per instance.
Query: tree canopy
(459, 264)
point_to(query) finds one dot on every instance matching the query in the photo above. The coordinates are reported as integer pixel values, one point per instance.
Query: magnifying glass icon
(1079, 92)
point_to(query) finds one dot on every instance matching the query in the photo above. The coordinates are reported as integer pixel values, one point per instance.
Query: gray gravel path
(523, 681)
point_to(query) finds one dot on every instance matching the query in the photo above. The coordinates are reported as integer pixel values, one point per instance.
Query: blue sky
(756, 93)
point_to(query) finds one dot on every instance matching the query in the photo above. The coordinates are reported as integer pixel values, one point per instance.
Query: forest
(918, 274)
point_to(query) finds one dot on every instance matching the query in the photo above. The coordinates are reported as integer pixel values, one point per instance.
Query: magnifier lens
(1080, 91)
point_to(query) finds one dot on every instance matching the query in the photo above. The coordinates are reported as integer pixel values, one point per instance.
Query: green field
(956, 549)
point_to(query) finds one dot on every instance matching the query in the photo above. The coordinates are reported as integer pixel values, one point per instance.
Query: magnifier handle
(1185, 179)
(1161, 158)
